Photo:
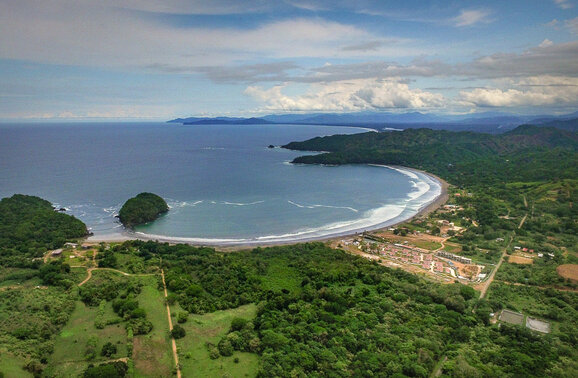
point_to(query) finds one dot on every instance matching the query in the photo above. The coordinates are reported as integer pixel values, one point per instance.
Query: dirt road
(174, 344)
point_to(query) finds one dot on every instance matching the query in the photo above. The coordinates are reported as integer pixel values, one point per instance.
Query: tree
(178, 332)
(108, 349)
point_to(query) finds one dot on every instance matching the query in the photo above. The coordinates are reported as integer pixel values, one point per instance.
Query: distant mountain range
(488, 122)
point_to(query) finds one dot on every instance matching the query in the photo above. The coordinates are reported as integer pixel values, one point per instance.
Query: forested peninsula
(145, 207)
(527, 153)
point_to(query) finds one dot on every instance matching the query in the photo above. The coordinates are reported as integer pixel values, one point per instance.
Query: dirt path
(522, 221)
(89, 271)
(88, 277)
(443, 243)
(525, 201)
(487, 284)
(174, 344)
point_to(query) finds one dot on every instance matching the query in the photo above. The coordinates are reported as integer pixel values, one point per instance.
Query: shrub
(178, 332)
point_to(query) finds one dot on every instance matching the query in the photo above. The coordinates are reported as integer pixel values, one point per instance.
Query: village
(443, 265)
(419, 252)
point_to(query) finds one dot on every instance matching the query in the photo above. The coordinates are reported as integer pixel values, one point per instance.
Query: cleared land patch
(569, 271)
(520, 260)
(538, 325)
(512, 317)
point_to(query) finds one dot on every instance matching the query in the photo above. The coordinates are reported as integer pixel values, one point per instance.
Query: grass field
(209, 328)
(11, 366)
(152, 353)
(452, 247)
(68, 359)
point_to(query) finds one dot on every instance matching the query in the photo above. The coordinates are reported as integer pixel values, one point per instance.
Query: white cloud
(564, 4)
(471, 17)
(348, 96)
(532, 91)
(546, 43)
(96, 34)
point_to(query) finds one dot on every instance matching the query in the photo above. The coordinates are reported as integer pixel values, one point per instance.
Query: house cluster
(408, 255)
(523, 250)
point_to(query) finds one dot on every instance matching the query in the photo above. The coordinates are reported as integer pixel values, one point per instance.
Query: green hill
(29, 226)
(143, 208)
(526, 153)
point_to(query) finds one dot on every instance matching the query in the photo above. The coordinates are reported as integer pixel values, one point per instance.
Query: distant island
(221, 121)
(145, 207)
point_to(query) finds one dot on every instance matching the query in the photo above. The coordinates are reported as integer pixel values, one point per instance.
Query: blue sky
(145, 59)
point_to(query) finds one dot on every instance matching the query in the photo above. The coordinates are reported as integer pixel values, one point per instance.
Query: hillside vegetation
(29, 226)
(527, 153)
(143, 208)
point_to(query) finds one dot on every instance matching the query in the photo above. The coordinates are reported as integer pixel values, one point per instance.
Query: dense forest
(143, 208)
(527, 153)
(324, 312)
(30, 226)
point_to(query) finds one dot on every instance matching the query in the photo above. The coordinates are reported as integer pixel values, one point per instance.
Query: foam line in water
(325, 206)
(242, 204)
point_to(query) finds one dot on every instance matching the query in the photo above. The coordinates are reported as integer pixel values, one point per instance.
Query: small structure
(57, 252)
(71, 245)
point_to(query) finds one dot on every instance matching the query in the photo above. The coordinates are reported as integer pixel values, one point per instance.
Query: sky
(157, 60)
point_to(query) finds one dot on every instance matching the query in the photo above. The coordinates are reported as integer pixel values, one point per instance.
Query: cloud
(348, 96)
(366, 46)
(252, 73)
(564, 4)
(553, 24)
(471, 17)
(532, 91)
(572, 25)
(549, 59)
(98, 34)
(546, 43)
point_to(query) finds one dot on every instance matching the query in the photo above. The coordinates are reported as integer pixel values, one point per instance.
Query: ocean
(222, 182)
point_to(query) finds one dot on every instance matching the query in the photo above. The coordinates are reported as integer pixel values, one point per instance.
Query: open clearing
(569, 271)
(11, 366)
(537, 325)
(68, 359)
(152, 353)
(520, 260)
(512, 317)
(210, 328)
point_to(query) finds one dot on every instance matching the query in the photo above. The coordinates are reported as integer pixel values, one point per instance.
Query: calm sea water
(221, 181)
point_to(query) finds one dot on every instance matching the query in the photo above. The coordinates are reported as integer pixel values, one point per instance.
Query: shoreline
(233, 245)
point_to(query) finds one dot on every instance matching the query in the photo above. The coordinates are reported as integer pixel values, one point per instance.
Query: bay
(223, 184)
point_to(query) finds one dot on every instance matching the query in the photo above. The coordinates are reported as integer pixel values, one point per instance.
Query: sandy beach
(232, 245)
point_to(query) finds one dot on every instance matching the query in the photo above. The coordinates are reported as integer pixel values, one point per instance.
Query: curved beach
(429, 194)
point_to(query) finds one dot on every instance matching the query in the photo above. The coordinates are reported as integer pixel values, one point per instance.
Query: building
(451, 256)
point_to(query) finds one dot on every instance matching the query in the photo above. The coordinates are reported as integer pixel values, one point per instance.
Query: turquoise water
(221, 181)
